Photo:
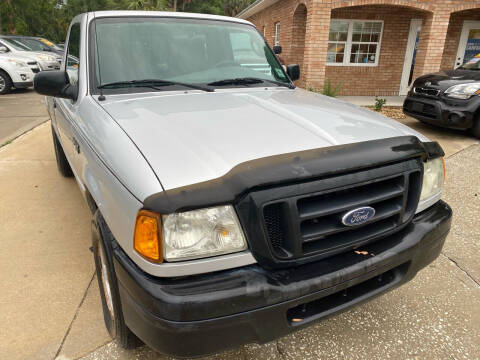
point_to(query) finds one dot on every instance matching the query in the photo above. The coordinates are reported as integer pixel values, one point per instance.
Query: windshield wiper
(151, 83)
(249, 81)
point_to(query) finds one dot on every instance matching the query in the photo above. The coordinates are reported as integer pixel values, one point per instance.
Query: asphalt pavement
(50, 306)
(20, 111)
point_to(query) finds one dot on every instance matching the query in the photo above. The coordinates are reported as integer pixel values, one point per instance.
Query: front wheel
(5, 83)
(107, 282)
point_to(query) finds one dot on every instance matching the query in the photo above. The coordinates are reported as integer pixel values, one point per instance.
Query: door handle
(76, 145)
(54, 103)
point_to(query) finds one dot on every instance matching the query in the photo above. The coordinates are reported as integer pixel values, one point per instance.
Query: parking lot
(49, 301)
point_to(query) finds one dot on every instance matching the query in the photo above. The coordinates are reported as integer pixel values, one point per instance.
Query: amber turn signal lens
(444, 170)
(147, 235)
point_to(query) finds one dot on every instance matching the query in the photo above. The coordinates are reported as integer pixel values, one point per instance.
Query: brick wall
(437, 48)
(281, 11)
(383, 79)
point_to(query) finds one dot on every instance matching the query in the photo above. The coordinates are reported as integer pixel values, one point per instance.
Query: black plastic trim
(22, 85)
(291, 168)
(202, 314)
(449, 113)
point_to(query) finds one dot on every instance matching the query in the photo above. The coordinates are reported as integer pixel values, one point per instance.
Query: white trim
(415, 26)
(467, 26)
(276, 33)
(424, 204)
(199, 266)
(256, 7)
(348, 43)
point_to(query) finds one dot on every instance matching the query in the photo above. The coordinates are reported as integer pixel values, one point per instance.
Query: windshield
(36, 44)
(182, 50)
(16, 45)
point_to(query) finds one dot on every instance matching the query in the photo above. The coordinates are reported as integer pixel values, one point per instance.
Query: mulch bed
(394, 112)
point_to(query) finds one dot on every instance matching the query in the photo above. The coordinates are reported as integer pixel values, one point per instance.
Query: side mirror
(277, 49)
(56, 84)
(293, 71)
(3, 49)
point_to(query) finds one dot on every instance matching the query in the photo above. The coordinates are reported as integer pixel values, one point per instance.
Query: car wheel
(62, 162)
(5, 83)
(476, 128)
(107, 282)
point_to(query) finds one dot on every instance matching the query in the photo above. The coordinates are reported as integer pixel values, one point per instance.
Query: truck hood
(191, 137)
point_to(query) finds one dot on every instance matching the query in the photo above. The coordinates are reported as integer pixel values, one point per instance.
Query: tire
(476, 127)
(102, 240)
(5, 83)
(62, 162)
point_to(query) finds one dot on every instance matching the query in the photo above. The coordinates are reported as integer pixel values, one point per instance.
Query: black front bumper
(22, 85)
(202, 314)
(449, 113)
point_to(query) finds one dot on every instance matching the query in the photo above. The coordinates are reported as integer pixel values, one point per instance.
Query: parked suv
(228, 205)
(46, 61)
(448, 98)
(16, 72)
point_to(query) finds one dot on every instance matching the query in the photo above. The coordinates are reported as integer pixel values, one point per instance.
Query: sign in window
(473, 45)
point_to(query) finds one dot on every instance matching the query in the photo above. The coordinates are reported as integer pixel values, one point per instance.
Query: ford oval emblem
(358, 216)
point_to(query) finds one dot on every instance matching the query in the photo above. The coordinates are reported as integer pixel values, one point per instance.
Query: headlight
(433, 175)
(17, 63)
(463, 91)
(46, 58)
(201, 233)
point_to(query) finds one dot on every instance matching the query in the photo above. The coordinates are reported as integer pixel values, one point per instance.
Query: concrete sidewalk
(50, 307)
(47, 290)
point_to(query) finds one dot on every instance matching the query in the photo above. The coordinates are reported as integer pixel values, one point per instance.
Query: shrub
(327, 90)
(379, 103)
(330, 90)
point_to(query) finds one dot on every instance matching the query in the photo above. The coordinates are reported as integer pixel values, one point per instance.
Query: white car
(16, 71)
(46, 61)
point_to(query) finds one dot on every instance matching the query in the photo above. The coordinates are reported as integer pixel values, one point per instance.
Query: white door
(410, 53)
(469, 44)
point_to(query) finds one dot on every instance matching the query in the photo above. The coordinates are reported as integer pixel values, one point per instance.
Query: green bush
(330, 90)
(379, 103)
(327, 90)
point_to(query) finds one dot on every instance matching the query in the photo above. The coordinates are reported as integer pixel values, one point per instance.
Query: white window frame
(348, 44)
(264, 30)
(276, 33)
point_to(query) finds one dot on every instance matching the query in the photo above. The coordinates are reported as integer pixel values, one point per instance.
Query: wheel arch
(6, 72)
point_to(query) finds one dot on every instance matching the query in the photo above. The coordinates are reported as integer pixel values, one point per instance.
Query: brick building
(371, 47)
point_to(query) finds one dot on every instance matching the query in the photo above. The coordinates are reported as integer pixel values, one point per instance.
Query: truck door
(66, 110)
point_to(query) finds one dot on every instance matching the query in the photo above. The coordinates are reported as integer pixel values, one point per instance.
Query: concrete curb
(22, 131)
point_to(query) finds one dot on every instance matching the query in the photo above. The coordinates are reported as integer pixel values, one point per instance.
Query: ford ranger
(229, 206)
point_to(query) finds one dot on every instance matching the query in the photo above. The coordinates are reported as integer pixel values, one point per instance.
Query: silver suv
(228, 205)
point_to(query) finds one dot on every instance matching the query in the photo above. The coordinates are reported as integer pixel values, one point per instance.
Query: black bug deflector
(289, 168)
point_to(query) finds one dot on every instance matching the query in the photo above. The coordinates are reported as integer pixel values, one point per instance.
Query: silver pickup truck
(228, 205)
